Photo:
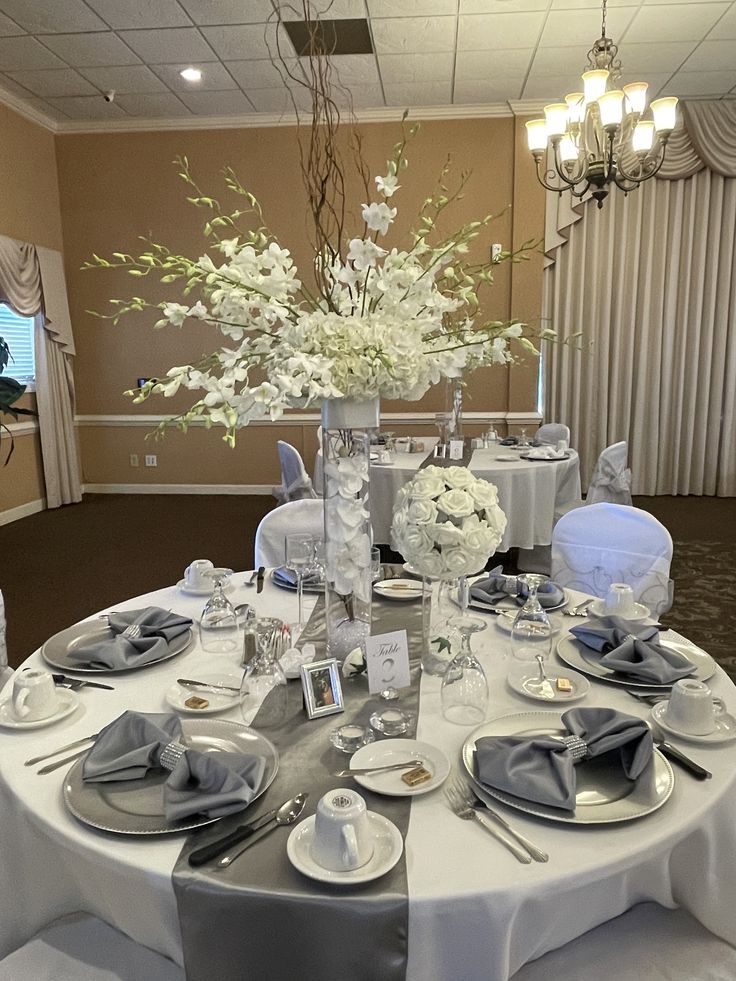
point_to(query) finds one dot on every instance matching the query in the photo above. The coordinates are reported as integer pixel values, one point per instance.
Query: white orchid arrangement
(447, 522)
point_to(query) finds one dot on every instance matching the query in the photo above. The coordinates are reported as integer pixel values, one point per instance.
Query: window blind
(18, 334)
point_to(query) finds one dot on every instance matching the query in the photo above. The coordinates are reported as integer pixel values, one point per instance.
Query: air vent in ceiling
(330, 37)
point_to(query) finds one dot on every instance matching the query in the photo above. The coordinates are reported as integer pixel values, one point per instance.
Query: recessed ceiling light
(191, 74)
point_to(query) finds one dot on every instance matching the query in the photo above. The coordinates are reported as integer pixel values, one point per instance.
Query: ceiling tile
(502, 6)
(362, 97)
(550, 88)
(585, 26)
(558, 61)
(214, 76)
(260, 73)
(18, 53)
(580, 4)
(408, 8)
(356, 70)
(725, 29)
(170, 45)
(711, 56)
(160, 105)
(476, 91)
(488, 32)
(228, 11)
(702, 83)
(482, 65)
(394, 35)
(120, 14)
(10, 85)
(90, 50)
(279, 100)
(415, 67)
(641, 59)
(327, 9)
(88, 107)
(52, 112)
(56, 82)
(8, 28)
(131, 78)
(47, 17)
(247, 41)
(230, 103)
(674, 22)
(419, 93)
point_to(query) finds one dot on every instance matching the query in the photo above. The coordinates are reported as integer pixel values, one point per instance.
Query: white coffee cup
(562, 446)
(692, 707)
(34, 696)
(343, 840)
(196, 574)
(620, 600)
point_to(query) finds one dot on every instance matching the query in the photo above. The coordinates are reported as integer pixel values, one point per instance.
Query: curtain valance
(20, 277)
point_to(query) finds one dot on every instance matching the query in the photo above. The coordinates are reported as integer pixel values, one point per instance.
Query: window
(18, 334)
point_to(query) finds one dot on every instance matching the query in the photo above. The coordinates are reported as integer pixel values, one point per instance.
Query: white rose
(422, 512)
(429, 564)
(426, 488)
(483, 493)
(399, 524)
(496, 519)
(459, 477)
(481, 540)
(446, 533)
(458, 561)
(416, 542)
(456, 503)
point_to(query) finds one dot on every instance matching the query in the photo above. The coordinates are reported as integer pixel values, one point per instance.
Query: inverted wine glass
(218, 625)
(299, 555)
(531, 636)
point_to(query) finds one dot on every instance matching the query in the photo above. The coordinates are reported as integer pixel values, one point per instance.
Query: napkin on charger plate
(541, 769)
(212, 784)
(288, 576)
(158, 628)
(637, 653)
(546, 453)
(509, 441)
(497, 585)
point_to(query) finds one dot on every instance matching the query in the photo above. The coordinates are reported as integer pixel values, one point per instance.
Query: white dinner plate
(57, 649)
(398, 589)
(520, 676)
(68, 701)
(604, 794)
(177, 695)
(598, 609)
(387, 751)
(388, 846)
(577, 655)
(724, 732)
(135, 807)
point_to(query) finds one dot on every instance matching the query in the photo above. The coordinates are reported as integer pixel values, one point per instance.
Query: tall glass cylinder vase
(347, 428)
(454, 408)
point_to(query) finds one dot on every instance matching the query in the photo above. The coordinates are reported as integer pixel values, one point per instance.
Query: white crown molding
(29, 112)
(249, 489)
(308, 419)
(23, 428)
(22, 511)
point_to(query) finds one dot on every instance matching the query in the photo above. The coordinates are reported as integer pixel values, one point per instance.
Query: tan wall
(29, 212)
(115, 187)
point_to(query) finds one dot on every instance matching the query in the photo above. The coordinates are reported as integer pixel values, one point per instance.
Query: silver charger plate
(307, 587)
(545, 459)
(578, 656)
(135, 807)
(604, 795)
(512, 605)
(57, 649)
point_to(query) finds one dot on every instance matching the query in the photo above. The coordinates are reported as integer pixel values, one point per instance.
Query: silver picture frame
(322, 689)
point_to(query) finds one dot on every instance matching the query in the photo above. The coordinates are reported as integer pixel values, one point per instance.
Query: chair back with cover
(599, 544)
(551, 433)
(611, 480)
(293, 518)
(296, 484)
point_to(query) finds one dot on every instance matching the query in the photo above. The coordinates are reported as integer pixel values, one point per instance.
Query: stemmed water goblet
(464, 685)
(263, 688)
(299, 555)
(531, 637)
(218, 625)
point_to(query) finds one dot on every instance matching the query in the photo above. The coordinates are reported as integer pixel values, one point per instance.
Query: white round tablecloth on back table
(529, 492)
(474, 912)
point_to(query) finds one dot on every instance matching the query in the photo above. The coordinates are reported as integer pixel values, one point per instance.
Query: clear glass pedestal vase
(347, 428)
(437, 612)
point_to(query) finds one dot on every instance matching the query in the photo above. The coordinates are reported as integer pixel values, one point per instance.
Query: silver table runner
(263, 920)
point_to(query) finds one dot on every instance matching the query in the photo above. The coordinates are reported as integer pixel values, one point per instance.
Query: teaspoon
(286, 814)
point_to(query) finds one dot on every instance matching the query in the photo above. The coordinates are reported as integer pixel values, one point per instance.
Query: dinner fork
(131, 632)
(581, 610)
(460, 807)
(473, 800)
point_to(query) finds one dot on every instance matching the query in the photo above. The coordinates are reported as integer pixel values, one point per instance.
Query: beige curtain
(20, 277)
(651, 282)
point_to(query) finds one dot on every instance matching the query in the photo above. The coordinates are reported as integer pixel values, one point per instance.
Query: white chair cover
(293, 518)
(647, 943)
(83, 948)
(598, 544)
(550, 433)
(611, 480)
(296, 484)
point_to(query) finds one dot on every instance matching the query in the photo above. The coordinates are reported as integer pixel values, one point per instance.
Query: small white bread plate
(641, 612)
(388, 846)
(519, 682)
(68, 701)
(387, 751)
(177, 695)
(398, 589)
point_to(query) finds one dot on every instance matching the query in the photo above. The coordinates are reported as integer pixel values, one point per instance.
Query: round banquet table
(474, 912)
(529, 491)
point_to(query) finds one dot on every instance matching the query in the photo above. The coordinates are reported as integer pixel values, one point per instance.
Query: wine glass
(263, 691)
(440, 421)
(463, 592)
(299, 552)
(464, 686)
(218, 625)
(523, 438)
(376, 564)
(531, 636)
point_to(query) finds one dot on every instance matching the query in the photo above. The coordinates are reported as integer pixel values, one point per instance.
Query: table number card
(456, 449)
(387, 660)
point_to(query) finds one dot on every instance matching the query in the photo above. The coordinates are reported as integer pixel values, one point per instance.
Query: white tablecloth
(528, 491)
(474, 912)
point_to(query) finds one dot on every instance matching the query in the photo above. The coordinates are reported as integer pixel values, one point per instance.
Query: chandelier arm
(651, 164)
(570, 179)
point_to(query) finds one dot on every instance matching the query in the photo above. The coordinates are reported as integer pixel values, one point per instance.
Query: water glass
(531, 633)
(464, 686)
(263, 691)
(218, 625)
(376, 564)
(299, 556)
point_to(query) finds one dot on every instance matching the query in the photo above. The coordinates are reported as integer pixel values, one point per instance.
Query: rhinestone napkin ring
(576, 747)
(171, 755)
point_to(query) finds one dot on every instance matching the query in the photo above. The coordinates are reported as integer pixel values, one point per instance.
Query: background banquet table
(529, 491)
(474, 911)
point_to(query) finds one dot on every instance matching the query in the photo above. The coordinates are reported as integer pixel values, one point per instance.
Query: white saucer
(724, 732)
(387, 851)
(205, 590)
(401, 590)
(68, 701)
(580, 685)
(641, 612)
(178, 694)
(387, 751)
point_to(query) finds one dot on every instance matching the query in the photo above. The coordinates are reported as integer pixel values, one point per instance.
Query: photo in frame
(321, 686)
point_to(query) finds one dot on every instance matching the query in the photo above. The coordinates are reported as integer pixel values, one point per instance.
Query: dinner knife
(674, 754)
(200, 856)
(259, 580)
(203, 686)
(61, 679)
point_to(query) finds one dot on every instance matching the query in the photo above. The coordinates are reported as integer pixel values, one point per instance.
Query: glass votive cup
(351, 737)
(391, 721)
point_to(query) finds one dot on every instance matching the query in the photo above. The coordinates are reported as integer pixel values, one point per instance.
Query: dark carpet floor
(58, 566)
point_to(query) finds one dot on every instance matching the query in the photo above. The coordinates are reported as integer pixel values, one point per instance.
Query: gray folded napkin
(509, 441)
(212, 784)
(541, 769)
(158, 628)
(637, 653)
(497, 585)
(286, 575)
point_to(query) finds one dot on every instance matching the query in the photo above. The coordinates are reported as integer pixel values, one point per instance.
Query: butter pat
(564, 684)
(195, 702)
(416, 776)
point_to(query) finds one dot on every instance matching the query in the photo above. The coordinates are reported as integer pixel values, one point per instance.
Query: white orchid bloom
(364, 254)
(388, 186)
(378, 217)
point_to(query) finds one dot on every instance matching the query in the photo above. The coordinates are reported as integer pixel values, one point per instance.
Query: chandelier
(599, 137)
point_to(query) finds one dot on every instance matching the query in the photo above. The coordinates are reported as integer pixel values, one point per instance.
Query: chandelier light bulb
(642, 139)
(575, 107)
(665, 114)
(594, 84)
(636, 97)
(536, 135)
(611, 105)
(555, 116)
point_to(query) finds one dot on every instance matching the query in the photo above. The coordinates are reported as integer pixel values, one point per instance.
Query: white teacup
(562, 446)
(196, 574)
(620, 600)
(692, 707)
(342, 834)
(34, 696)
